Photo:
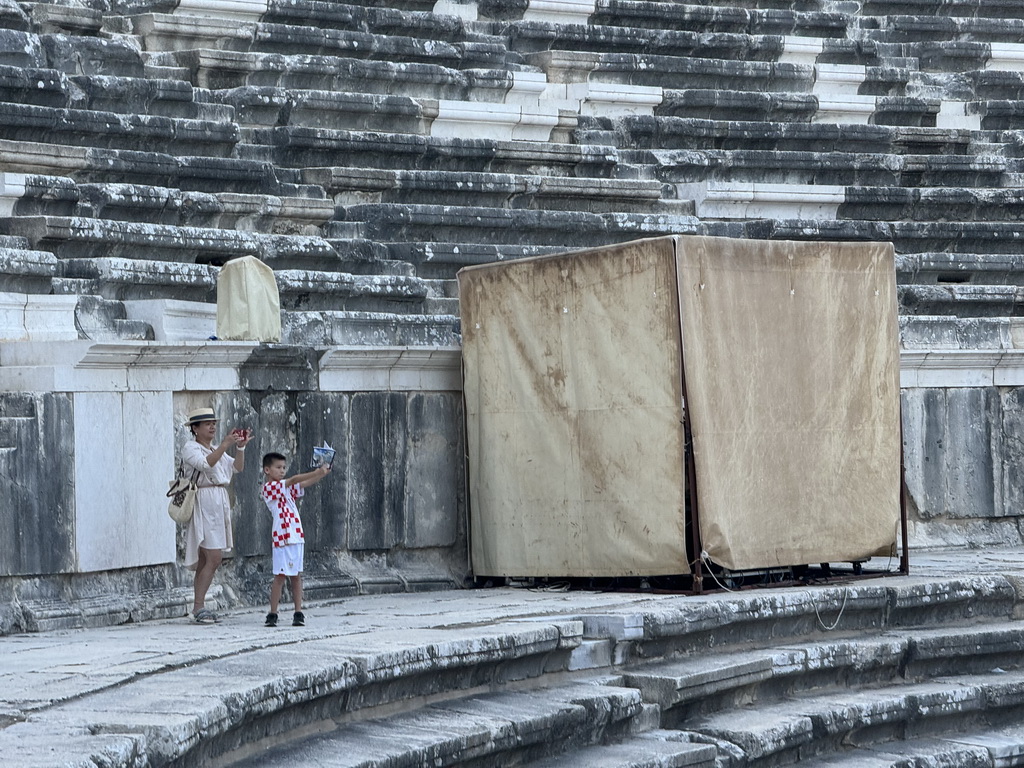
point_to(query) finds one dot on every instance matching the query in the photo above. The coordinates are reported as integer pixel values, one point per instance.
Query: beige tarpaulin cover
(792, 370)
(248, 302)
(573, 404)
(572, 368)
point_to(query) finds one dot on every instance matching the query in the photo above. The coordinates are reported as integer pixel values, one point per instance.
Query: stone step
(443, 260)
(374, 329)
(490, 729)
(649, 132)
(900, 27)
(849, 169)
(74, 237)
(962, 300)
(337, 291)
(26, 271)
(653, 749)
(775, 18)
(167, 32)
(226, 210)
(160, 97)
(752, 200)
(992, 237)
(184, 172)
(102, 319)
(90, 55)
(368, 257)
(995, 9)
(264, 106)
(711, 104)
(220, 69)
(960, 268)
(982, 747)
(679, 72)
(707, 682)
(529, 38)
(803, 726)
(348, 185)
(312, 148)
(91, 128)
(116, 278)
(416, 19)
(392, 222)
(917, 204)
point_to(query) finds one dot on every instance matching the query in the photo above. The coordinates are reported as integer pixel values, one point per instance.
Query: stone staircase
(368, 152)
(924, 673)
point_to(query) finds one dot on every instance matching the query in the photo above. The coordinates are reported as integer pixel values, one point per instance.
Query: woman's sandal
(204, 616)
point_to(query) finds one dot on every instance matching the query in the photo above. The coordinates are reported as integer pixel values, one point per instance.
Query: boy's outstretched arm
(307, 479)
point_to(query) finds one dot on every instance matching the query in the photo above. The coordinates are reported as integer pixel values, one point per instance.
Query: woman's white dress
(210, 526)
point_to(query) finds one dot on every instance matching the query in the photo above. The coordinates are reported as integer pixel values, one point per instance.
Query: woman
(208, 534)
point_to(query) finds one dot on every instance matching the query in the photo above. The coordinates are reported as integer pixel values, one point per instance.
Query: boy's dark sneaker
(271, 620)
(299, 619)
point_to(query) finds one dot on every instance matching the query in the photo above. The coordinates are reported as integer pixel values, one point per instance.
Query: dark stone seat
(960, 268)
(220, 69)
(962, 300)
(349, 185)
(368, 329)
(711, 104)
(184, 172)
(84, 238)
(120, 279)
(159, 97)
(679, 72)
(801, 18)
(652, 132)
(33, 85)
(459, 224)
(990, 9)
(532, 37)
(116, 131)
(444, 260)
(23, 270)
(397, 18)
(301, 147)
(340, 291)
(224, 210)
(338, 110)
(835, 168)
(930, 204)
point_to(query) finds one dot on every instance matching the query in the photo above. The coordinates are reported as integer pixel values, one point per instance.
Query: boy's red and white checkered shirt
(280, 500)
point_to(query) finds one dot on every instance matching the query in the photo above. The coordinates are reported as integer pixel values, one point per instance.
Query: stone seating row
(156, 97)
(349, 185)
(338, 680)
(38, 195)
(170, 32)
(683, 166)
(993, 9)
(528, 728)
(734, 199)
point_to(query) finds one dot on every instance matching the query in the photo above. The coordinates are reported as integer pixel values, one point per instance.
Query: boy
(280, 494)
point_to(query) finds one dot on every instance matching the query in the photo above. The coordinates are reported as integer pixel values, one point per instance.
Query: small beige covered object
(248, 302)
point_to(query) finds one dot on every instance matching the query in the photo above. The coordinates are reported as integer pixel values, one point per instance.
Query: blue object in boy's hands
(323, 455)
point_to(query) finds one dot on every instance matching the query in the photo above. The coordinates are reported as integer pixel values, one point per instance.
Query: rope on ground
(846, 595)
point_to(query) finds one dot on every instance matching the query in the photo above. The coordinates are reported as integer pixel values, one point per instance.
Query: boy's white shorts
(288, 559)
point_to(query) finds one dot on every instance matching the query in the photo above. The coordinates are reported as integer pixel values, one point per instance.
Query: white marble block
(124, 459)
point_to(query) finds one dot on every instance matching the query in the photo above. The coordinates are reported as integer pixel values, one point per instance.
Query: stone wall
(84, 469)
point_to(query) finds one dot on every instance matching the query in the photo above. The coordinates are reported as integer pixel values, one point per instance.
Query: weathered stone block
(377, 469)
(37, 503)
(435, 484)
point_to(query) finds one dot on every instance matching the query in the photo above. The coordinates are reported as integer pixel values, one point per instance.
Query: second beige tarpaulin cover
(572, 384)
(791, 358)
